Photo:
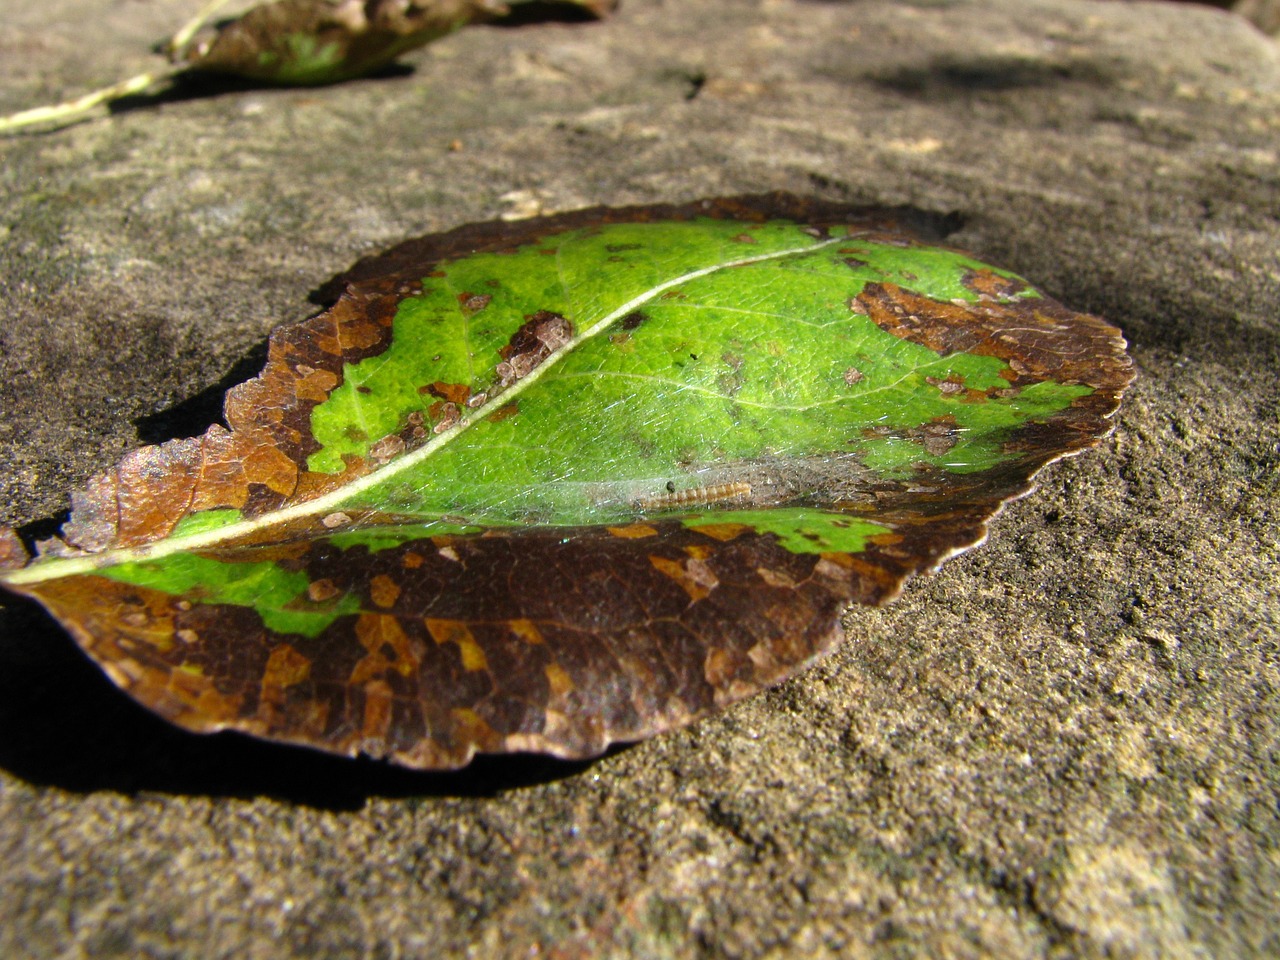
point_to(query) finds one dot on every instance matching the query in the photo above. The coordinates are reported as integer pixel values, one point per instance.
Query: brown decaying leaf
(556, 639)
(327, 41)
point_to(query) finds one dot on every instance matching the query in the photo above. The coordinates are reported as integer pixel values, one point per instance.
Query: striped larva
(695, 495)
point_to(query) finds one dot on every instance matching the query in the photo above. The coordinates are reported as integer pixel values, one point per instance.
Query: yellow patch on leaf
(694, 576)
(384, 591)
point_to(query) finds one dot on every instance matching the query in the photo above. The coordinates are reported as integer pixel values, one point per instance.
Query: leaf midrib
(39, 570)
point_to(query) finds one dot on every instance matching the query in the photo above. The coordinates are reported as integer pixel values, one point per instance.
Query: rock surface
(1063, 744)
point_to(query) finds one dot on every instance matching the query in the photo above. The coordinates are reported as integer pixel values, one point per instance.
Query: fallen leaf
(553, 484)
(298, 43)
(302, 42)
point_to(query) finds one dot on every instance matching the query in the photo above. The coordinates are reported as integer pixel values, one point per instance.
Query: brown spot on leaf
(718, 667)
(386, 449)
(388, 647)
(452, 392)
(695, 577)
(526, 631)
(473, 303)
(937, 436)
(376, 720)
(732, 380)
(318, 591)
(990, 285)
(315, 385)
(775, 578)
(559, 681)
(459, 634)
(505, 412)
(634, 531)
(948, 386)
(449, 415)
(285, 668)
(723, 531)
(1038, 339)
(535, 340)
(470, 726)
(414, 428)
(852, 376)
(384, 591)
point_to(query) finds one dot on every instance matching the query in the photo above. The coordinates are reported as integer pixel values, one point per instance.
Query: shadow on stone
(527, 14)
(184, 87)
(957, 78)
(65, 725)
(196, 414)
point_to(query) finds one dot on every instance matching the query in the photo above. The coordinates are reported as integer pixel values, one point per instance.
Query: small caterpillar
(681, 498)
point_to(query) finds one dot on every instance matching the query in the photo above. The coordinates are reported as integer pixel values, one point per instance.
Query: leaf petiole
(70, 109)
(177, 44)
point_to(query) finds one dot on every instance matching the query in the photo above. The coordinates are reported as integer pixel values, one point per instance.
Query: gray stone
(1265, 14)
(1064, 744)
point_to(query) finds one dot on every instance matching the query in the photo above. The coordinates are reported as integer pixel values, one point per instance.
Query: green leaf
(549, 485)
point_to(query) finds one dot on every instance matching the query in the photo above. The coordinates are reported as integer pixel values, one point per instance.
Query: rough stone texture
(1067, 743)
(1264, 14)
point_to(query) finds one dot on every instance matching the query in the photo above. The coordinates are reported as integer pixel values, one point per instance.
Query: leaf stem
(70, 109)
(178, 42)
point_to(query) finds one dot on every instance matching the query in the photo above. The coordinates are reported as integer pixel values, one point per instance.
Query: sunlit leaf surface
(550, 485)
